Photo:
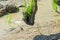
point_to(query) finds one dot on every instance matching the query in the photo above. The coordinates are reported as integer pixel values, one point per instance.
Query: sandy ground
(46, 22)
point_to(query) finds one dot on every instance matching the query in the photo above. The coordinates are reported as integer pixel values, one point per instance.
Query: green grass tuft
(54, 5)
(30, 7)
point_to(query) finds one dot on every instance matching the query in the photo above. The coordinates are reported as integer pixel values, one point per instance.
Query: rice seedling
(29, 8)
(30, 11)
(8, 18)
(54, 4)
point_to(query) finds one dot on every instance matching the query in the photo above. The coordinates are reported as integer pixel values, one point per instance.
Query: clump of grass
(28, 8)
(28, 11)
(54, 4)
